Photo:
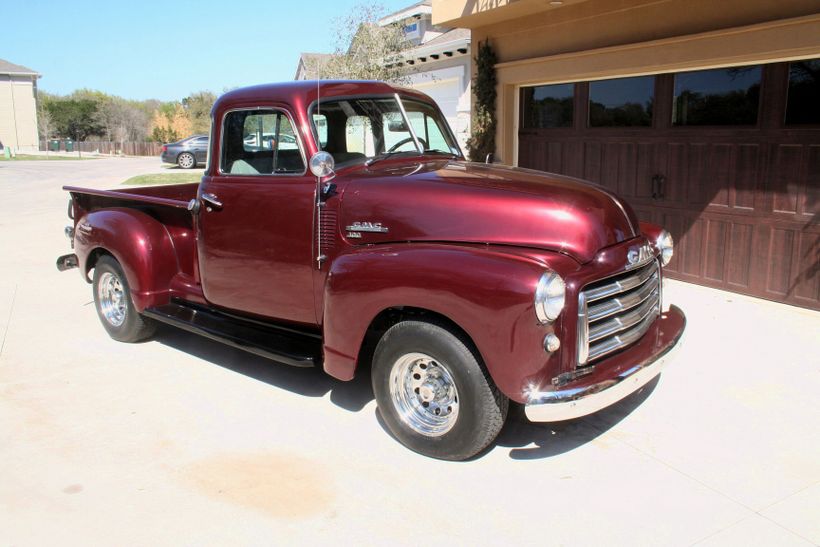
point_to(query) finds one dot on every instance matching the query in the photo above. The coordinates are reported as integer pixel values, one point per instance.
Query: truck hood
(451, 201)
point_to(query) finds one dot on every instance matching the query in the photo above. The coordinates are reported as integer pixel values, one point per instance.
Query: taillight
(164, 148)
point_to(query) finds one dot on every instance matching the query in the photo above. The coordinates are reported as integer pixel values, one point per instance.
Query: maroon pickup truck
(339, 226)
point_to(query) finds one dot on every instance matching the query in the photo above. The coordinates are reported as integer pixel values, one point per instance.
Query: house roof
(10, 68)
(419, 8)
(452, 35)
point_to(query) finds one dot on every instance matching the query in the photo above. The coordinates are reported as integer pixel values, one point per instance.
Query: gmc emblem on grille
(639, 255)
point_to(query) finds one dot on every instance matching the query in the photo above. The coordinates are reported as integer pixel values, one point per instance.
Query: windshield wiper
(442, 152)
(385, 155)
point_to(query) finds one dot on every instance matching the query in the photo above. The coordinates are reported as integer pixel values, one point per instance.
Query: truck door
(256, 220)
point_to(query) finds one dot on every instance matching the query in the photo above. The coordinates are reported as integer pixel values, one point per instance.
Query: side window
(427, 130)
(320, 122)
(260, 142)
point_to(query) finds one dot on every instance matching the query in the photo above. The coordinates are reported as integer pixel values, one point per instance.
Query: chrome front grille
(617, 311)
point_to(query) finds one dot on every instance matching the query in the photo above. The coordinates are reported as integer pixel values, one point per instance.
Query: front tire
(186, 160)
(434, 393)
(115, 308)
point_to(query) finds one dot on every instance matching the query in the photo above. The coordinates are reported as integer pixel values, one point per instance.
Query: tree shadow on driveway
(310, 382)
(552, 439)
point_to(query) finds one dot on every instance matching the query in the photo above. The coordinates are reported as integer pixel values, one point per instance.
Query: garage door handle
(658, 187)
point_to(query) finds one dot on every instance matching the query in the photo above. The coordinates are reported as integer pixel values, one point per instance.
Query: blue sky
(142, 49)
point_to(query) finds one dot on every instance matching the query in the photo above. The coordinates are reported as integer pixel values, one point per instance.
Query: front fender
(487, 292)
(141, 245)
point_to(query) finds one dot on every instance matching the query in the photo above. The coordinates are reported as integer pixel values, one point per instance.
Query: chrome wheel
(185, 160)
(424, 394)
(112, 299)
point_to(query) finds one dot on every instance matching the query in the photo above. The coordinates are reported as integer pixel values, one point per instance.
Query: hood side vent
(328, 228)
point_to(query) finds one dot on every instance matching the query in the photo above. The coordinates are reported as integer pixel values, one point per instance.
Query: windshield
(363, 128)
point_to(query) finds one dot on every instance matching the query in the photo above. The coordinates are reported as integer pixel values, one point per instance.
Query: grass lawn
(164, 178)
(28, 157)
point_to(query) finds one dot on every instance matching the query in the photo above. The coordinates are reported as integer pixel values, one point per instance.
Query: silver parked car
(186, 153)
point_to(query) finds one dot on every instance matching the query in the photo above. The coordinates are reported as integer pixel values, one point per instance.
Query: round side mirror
(322, 164)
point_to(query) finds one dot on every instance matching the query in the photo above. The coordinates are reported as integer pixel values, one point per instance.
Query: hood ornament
(638, 256)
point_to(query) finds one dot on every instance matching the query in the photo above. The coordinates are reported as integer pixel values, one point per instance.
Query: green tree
(198, 106)
(364, 50)
(482, 141)
(75, 118)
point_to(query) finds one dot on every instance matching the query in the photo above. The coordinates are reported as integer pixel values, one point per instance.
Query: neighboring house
(310, 65)
(438, 64)
(18, 106)
(705, 119)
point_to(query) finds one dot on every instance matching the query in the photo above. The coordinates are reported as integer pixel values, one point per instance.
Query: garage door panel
(781, 249)
(692, 244)
(697, 194)
(555, 157)
(609, 165)
(645, 169)
(574, 159)
(717, 232)
(807, 278)
(740, 255)
(785, 177)
(719, 175)
(592, 161)
(811, 196)
(677, 173)
(747, 174)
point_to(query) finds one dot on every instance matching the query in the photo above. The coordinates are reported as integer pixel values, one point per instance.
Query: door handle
(211, 200)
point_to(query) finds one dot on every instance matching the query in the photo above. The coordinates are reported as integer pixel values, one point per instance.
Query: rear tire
(115, 307)
(434, 392)
(186, 160)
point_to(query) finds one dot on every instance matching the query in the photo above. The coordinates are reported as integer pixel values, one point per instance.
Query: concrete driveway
(183, 441)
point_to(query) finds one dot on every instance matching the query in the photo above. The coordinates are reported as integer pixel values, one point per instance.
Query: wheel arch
(485, 294)
(393, 315)
(141, 244)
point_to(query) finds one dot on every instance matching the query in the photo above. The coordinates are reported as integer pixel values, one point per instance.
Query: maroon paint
(141, 245)
(439, 200)
(256, 252)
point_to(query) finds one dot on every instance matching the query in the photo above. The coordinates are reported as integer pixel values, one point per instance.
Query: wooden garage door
(727, 160)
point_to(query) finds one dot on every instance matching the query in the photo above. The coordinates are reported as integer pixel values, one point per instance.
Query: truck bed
(176, 196)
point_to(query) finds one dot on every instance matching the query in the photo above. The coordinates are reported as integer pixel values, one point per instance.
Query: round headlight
(549, 297)
(665, 246)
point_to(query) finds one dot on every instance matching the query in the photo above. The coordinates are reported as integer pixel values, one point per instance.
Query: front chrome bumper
(574, 402)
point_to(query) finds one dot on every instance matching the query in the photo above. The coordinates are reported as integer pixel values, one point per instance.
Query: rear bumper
(168, 157)
(581, 400)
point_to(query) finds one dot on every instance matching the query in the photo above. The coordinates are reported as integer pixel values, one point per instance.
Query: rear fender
(488, 294)
(139, 242)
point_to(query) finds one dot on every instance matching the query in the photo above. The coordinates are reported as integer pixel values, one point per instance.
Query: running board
(282, 345)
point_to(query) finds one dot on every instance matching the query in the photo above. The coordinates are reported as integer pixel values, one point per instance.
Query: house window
(547, 106)
(803, 106)
(724, 96)
(622, 102)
